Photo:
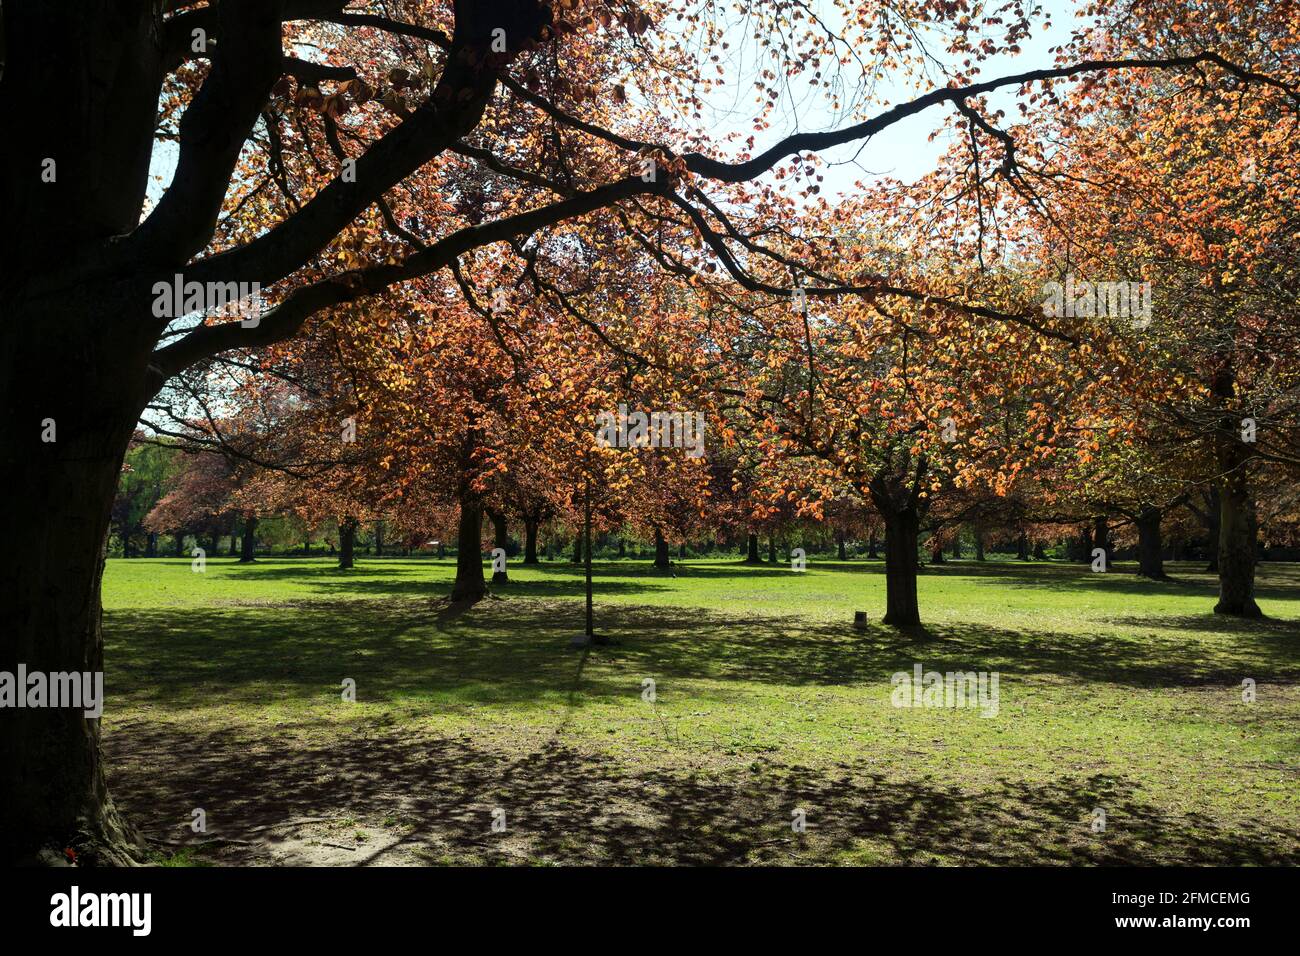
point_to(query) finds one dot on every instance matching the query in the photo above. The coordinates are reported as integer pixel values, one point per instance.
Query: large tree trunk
(577, 549)
(52, 787)
(530, 540)
(936, 555)
(979, 547)
(661, 551)
(248, 546)
(1022, 547)
(500, 538)
(1151, 558)
(1238, 530)
(379, 538)
(902, 530)
(752, 557)
(347, 542)
(873, 551)
(470, 585)
(151, 545)
(771, 549)
(180, 544)
(842, 552)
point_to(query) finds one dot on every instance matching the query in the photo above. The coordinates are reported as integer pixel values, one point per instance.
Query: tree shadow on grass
(517, 650)
(431, 800)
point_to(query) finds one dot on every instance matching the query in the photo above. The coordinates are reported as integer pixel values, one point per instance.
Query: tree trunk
(661, 551)
(151, 545)
(979, 547)
(753, 557)
(53, 792)
(233, 550)
(681, 551)
(902, 530)
(500, 538)
(622, 548)
(839, 543)
(1022, 547)
(470, 585)
(216, 544)
(249, 542)
(577, 549)
(530, 540)
(771, 549)
(347, 542)
(379, 538)
(956, 548)
(1151, 558)
(873, 551)
(936, 555)
(1039, 553)
(180, 544)
(1101, 537)
(1237, 548)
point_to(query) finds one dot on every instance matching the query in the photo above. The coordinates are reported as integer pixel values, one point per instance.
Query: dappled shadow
(425, 799)
(517, 649)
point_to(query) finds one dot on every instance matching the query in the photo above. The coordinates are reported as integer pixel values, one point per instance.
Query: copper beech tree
(317, 182)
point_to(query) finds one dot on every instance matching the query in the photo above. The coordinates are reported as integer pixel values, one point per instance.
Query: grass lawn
(224, 694)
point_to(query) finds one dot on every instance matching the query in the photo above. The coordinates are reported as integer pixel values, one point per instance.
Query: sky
(903, 151)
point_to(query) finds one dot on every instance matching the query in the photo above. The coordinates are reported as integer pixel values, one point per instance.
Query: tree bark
(53, 792)
(1151, 557)
(1101, 538)
(530, 540)
(500, 538)
(842, 552)
(956, 548)
(902, 531)
(661, 551)
(979, 547)
(936, 555)
(470, 585)
(771, 549)
(379, 537)
(753, 557)
(180, 544)
(622, 548)
(151, 545)
(873, 550)
(249, 542)
(1238, 530)
(1022, 547)
(681, 551)
(347, 542)
(577, 549)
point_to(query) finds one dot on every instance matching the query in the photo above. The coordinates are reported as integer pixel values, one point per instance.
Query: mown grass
(1115, 693)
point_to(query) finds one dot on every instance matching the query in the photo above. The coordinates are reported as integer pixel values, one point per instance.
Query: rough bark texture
(1238, 529)
(470, 584)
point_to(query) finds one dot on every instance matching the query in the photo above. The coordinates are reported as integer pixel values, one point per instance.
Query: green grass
(224, 693)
